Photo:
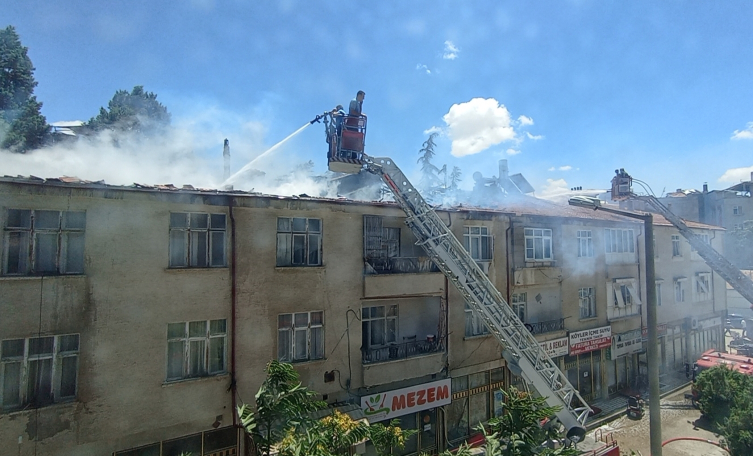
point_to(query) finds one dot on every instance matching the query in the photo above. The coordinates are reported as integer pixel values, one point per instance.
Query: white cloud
(552, 169)
(553, 187)
(450, 51)
(478, 124)
(524, 120)
(565, 168)
(423, 67)
(747, 133)
(512, 152)
(534, 137)
(735, 175)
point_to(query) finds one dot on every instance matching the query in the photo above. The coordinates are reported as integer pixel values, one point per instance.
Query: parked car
(734, 321)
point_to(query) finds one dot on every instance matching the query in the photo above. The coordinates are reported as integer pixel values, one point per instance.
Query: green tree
(738, 429)
(430, 181)
(387, 439)
(22, 125)
(282, 405)
(137, 111)
(29, 130)
(16, 71)
(720, 391)
(332, 435)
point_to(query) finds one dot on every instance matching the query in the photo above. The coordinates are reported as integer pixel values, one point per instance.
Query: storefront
(416, 407)
(583, 363)
(621, 372)
(475, 399)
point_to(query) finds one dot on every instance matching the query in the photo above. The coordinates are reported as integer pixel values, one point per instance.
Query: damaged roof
(518, 206)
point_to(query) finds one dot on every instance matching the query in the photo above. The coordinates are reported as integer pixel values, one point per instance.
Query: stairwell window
(300, 336)
(585, 244)
(680, 289)
(702, 286)
(196, 349)
(38, 371)
(299, 241)
(41, 242)
(538, 244)
(676, 246)
(587, 302)
(518, 301)
(478, 242)
(197, 240)
(474, 324)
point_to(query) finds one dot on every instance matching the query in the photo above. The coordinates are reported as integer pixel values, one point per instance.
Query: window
(478, 242)
(625, 293)
(703, 237)
(680, 289)
(585, 244)
(702, 286)
(619, 241)
(676, 245)
(38, 371)
(658, 292)
(299, 241)
(197, 240)
(538, 244)
(300, 336)
(737, 210)
(587, 302)
(379, 325)
(44, 242)
(196, 349)
(474, 324)
(519, 305)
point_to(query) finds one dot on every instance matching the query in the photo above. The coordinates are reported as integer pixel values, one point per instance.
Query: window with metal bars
(197, 240)
(40, 242)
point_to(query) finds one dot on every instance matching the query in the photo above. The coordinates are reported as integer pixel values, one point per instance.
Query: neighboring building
(736, 304)
(134, 319)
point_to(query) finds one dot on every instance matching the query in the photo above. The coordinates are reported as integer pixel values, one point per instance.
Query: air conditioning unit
(693, 323)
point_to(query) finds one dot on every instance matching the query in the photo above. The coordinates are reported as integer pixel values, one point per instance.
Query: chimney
(705, 187)
(226, 159)
(751, 175)
(503, 169)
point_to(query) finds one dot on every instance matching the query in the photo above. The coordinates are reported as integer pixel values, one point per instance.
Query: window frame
(30, 247)
(189, 241)
(619, 241)
(544, 235)
(676, 246)
(58, 356)
(585, 243)
(307, 235)
(587, 302)
(679, 289)
(658, 287)
(474, 324)
(474, 237)
(291, 331)
(737, 210)
(387, 316)
(519, 304)
(206, 360)
(702, 280)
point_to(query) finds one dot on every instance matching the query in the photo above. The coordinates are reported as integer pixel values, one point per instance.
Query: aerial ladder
(622, 184)
(521, 350)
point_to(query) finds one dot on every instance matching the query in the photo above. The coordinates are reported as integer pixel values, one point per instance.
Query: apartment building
(134, 319)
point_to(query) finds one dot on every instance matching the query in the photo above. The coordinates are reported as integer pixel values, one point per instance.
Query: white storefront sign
(589, 340)
(391, 404)
(626, 343)
(556, 347)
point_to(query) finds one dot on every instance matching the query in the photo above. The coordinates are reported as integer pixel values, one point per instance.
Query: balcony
(409, 349)
(547, 326)
(399, 265)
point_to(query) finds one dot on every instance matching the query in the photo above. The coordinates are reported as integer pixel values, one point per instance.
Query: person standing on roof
(356, 104)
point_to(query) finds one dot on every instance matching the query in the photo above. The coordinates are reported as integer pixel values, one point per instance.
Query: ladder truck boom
(622, 190)
(521, 350)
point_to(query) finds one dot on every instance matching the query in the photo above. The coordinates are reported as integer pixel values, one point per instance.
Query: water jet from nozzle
(269, 151)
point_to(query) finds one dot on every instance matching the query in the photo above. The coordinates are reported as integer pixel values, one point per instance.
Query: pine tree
(137, 111)
(22, 125)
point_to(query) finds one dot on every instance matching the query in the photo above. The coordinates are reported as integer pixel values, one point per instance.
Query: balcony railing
(409, 349)
(399, 265)
(548, 326)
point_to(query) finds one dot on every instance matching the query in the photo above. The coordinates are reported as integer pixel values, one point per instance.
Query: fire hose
(696, 439)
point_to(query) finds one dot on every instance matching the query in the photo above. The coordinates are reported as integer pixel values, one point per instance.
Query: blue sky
(566, 91)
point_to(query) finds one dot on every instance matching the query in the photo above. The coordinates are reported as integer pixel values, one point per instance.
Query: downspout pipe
(233, 385)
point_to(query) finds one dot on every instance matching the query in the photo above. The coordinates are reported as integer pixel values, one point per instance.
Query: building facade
(133, 320)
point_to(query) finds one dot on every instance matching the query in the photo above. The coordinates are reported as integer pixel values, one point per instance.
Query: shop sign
(661, 331)
(590, 340)
(710, 323)
(626, 343)
(556, 347)
(391, 404)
